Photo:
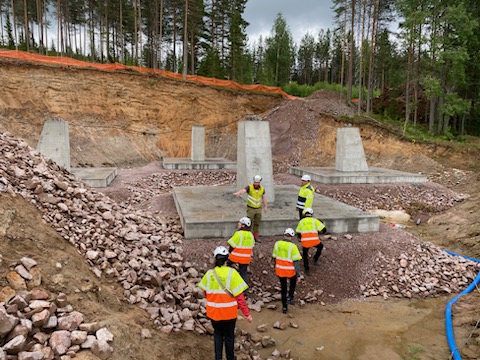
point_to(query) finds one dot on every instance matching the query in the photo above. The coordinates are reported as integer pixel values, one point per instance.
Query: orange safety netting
(66, 61)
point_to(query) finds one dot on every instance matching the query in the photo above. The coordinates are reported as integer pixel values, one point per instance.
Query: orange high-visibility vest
(242, 243)
(285, 253)
(220, 306)
(309, 227)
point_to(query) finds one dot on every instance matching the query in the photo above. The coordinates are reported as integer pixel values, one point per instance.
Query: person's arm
(296, 264)
(242, 305)
(241, 191)
(264, 198)
(309, 200)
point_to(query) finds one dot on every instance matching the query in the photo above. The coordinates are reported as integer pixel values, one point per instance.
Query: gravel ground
(351, 265)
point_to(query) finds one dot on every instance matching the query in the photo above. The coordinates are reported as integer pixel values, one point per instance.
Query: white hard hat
(220, 250)
(308, 211)
(289, 231)
(306, 178)
(257, 178)
(245, 221)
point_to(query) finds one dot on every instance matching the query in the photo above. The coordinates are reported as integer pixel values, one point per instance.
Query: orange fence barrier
(66, 61)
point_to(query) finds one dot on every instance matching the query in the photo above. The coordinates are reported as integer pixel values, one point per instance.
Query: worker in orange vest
(241, 247)
(287, 266)
(308, 230)
(224, 289)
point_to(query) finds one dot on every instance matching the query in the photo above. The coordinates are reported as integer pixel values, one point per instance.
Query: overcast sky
(302, 16)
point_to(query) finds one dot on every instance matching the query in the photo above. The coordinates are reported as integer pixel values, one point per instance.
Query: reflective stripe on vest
(308, 229)
(242, 243)
(221, 306)
(305, 196)
(254, 197)
(284, 258)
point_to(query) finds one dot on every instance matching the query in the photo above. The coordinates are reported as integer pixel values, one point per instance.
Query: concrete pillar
(254, 155)
(54, 142)
(198, 143)
(350, 155)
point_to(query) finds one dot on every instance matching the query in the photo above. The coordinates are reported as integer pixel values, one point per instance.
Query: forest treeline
(425, 65)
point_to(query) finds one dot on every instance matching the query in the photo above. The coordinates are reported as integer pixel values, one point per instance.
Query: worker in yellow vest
(287, 266)
(241, 247)
(224, 288)
(305, 195)
(255, 197)
(308, 230)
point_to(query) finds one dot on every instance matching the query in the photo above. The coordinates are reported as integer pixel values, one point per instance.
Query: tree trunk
(160, 35)
(27, 35)
(432, 117)
(344, 36)
(360, 88)
(352, 50)
(372, 51)
(185, 43)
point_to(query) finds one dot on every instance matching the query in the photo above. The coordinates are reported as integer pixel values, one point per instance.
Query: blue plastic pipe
(448, 311)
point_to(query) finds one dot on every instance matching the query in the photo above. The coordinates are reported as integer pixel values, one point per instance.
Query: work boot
(284, 309)
(307, 271)
(290, 301)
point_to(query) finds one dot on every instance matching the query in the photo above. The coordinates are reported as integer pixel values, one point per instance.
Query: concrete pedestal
(254, 155)
(54, 142)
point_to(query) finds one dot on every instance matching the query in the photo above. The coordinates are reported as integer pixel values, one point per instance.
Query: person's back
(309, 227)
(286, 257)
(242, 243)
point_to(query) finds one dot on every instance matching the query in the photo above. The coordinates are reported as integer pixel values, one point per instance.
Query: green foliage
(295, 89)
(413, 352)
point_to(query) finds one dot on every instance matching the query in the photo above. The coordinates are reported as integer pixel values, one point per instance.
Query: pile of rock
(160, 183)
(35, 326)
(421, 270)
(424, 197)
(141, 251)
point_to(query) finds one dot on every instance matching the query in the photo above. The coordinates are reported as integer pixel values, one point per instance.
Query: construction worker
(287, 266)
(308, 230)
(305, 195)
(241, 247)
(255, 197)
(224, 288)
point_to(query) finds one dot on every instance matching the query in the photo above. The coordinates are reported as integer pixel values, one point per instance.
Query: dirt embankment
(121, 119)
(127, 120)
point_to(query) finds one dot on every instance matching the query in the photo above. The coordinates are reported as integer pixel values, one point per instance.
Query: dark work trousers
(242, 270)
(291, 292)
(300, 214)
(315, 257)
(224, 332)
(255, 215)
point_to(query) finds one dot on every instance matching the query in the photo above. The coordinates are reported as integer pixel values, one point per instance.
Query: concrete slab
(171, 163)
(95, 177)
(329, 175)
(213, 212)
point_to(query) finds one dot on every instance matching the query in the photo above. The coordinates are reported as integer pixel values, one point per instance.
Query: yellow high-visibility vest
(285, 253)
(242, 243)
(254, 196)
(305, 197)
(220, 306)
(309, 227)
